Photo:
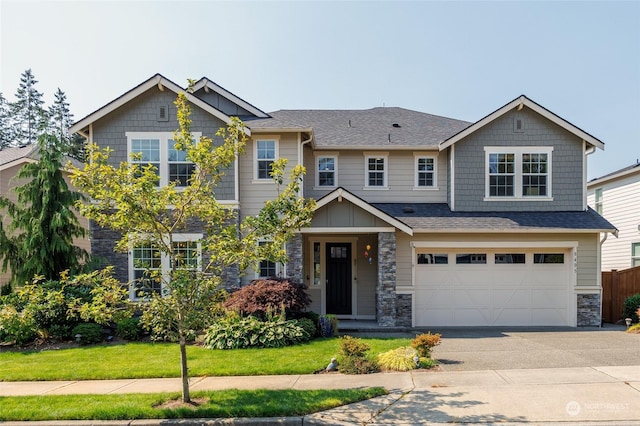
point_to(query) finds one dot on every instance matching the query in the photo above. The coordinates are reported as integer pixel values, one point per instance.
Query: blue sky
(462, 60)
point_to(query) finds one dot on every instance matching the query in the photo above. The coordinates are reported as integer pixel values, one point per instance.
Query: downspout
(301, 157)
(587, 152)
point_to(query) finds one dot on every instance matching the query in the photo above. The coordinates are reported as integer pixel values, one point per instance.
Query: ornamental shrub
(129, 329)
(353, 357)
(264, 295)
(89, 333)
(236, 332)
(16, 326)
(401, 359)
(423, 343)
(631, 306)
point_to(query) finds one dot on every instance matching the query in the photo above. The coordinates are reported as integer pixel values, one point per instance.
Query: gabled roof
(376, 128)
(625, 171)
(519, 103)
(156, 81)
(341, 193)
(15, 156)
(206, 84)
(438, 217)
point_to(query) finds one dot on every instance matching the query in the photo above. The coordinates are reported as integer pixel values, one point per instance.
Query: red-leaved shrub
(269, 295)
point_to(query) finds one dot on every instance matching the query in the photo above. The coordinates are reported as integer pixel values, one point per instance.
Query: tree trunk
(184, 372)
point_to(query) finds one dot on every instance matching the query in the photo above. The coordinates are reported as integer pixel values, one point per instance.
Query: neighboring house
(11, 161)
(616, 196)
(421, 220)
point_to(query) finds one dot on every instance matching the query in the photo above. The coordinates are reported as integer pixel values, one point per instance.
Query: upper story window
(599, 203)
(376, 170)
(158, 149)
(327, 170)
(518, 173)
(425, 171)
(266, 154)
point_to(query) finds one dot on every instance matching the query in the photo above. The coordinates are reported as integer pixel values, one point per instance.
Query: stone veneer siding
(294, 266)
(386, 289)
(404, 310)
(589, 310)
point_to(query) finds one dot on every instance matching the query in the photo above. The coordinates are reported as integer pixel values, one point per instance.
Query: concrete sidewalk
(604, 395)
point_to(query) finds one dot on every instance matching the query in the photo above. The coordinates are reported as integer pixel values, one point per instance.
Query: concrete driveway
(475, 349)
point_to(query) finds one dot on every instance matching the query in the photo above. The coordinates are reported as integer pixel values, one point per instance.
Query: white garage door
(480, 287)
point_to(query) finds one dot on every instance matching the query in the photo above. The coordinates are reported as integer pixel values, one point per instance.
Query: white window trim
(165, 261)
(164, 138)
(634, 258)
(383, 155)
(318, 156)
(280, 268)
(518, 151)
(276, 139)
(417, 157)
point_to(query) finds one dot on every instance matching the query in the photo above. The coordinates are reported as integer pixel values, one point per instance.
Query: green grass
(231, 403)
(148, 360)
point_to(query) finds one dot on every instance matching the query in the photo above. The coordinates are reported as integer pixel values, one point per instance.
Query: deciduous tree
(127, 198)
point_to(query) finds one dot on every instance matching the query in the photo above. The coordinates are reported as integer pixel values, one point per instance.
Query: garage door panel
(518, 294)
(515, 298)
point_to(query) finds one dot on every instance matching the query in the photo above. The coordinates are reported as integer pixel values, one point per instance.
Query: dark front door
(338, 265)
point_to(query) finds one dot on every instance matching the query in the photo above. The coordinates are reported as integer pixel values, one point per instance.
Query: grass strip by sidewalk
(148, 360)
(228, 403)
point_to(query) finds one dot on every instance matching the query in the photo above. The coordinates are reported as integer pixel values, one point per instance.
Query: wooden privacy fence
(616, 287)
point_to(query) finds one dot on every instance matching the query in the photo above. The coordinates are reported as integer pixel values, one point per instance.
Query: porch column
(294, 266)
(386, 288)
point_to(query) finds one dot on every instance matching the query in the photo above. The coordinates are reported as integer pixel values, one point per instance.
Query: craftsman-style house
(421, 220)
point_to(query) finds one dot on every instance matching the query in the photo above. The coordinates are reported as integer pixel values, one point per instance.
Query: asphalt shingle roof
(382, 126)
(438, 216)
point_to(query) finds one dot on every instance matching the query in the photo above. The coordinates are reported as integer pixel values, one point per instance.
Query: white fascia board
(17, 162)
(342, 193)
(600, 181)
(494, 244)
(156, 81)
(205, 82)
(511, 231)
(347, 230)
(518, 103)
(280, 129)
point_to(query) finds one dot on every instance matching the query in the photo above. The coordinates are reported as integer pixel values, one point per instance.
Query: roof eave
(162, 83)
(614, 176)
(205, 82)
(520, 102)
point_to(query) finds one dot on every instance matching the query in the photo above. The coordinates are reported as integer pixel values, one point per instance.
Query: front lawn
(229, 403)
(148, 360)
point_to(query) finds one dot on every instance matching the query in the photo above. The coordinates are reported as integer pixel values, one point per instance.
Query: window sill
(375, 188)
(517, 199)
(262, 181)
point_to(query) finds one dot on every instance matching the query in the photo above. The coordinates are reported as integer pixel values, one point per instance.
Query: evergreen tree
(39, 237)
(6, 127)
(60, 119)
(29, 116)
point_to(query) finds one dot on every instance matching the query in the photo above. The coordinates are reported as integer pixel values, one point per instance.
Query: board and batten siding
(401, 172)
(587, 252)
(141, 115)
(567, 164)
(621, 207)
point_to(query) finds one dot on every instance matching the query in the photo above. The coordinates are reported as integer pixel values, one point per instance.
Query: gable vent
(163, 113)
(518, 124)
